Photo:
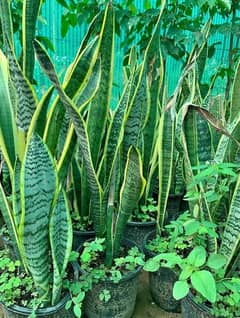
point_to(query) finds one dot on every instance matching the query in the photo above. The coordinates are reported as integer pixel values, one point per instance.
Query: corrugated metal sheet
(65, 49)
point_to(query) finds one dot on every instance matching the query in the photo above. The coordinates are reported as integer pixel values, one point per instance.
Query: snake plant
(36, 211)
(224, 151)
(37, 214)
(112, 196)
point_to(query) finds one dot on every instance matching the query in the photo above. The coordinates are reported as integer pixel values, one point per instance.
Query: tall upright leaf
(60, 232)
(141, 115)
(38, 186)
(30, 14)
(115, 134)
(82, 101)
(231, 238)
(7, 124)
(27, 100)
(6, 20)
(16, 198)
(77, 77)
(94, 186)
(130, 193)
(101, 103)
(165, 143)
(155, 78)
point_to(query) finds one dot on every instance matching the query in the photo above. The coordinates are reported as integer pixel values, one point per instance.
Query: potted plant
(43, 217)
(113, 200)
(36, 209)
(107, 291)
(177, 238)
(202, 285)
(80, 83)
(213, 184)
(144, 113)
(142, 222)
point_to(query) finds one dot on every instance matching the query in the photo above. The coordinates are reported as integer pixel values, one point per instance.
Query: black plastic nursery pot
(123, 295)
(161, 287)
(122, 301)
(79, 237)
(57, 311)
(161, 283)
(136, 231)
(190, 309)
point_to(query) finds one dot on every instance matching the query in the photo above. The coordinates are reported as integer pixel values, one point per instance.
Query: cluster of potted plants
(78, 179)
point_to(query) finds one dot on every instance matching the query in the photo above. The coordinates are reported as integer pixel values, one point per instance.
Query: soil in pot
(190, 309)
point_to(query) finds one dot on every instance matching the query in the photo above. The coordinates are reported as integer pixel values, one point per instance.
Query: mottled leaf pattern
(231, 237)
(94, 186)
(165, 143)
(17, 209)
(27, 101)
(38, 179)
(61, 242)
(131, 191)
(31, 10)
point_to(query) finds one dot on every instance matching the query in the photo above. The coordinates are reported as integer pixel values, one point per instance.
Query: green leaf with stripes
(38, 186)
(6, 20)
(154, 64)
(83, 100)
(30, 14)
(115, 134)
(27, 100)
(89, 91)
(165, 149)
(101, 103)
(131, 191)
(142, 114)
(204, 140)
(76, 179)
(137, 110)
(231, 235)
(60, 232)
(7, 123)
(17, 208)
(80, 128)
(77, 77)
(191, 134)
